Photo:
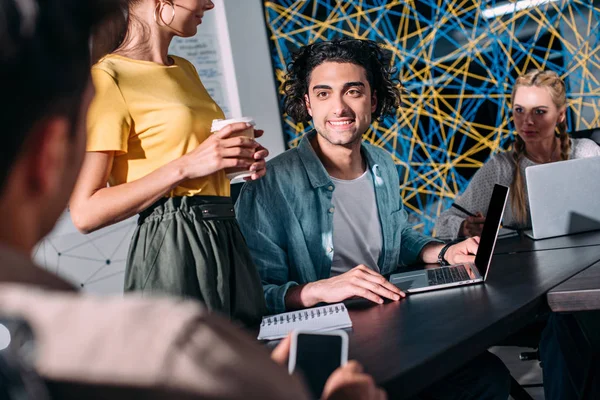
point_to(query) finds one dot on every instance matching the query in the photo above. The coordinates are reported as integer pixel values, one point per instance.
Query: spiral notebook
(324, 318)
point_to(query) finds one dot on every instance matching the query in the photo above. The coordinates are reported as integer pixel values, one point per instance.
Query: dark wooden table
(523, 244)
(407, 345)
(579, 293)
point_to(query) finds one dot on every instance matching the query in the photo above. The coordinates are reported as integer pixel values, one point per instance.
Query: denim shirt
(287, 220)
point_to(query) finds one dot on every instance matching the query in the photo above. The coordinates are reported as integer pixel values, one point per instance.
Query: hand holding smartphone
(316, 355)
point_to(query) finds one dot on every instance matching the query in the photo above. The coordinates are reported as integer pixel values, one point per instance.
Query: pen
(470, 214)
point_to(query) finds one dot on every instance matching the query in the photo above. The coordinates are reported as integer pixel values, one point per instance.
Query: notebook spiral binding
(303, 315)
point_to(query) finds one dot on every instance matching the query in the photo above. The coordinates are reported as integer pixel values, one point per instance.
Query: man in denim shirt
(327, 221)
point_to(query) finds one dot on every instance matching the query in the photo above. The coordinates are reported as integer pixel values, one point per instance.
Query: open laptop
(460, 274)
(564, 197)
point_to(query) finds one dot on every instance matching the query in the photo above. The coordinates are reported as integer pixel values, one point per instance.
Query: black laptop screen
(490, 228)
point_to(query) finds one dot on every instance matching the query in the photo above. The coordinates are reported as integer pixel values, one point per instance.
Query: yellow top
(150, 114)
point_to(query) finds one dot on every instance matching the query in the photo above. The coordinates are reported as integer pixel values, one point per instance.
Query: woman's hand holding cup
(257, 168)
(225, 149)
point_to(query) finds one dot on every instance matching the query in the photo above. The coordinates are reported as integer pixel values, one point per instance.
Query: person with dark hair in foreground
(103, 347)
(327, 222)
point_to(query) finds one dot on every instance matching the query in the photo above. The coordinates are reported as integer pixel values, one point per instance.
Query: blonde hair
(557, 89)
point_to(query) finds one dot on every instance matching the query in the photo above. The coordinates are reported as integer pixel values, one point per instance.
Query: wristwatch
(441, 259)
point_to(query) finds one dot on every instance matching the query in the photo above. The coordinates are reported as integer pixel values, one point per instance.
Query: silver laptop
(461, 274)
(564, 197)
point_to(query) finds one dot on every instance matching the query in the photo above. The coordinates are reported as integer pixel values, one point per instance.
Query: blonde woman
(539, 105)
(149, 139)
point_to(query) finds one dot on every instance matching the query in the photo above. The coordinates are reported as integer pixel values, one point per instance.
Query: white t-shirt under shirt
(357, 237)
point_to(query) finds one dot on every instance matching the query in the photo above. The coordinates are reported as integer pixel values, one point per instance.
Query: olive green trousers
(192, 247)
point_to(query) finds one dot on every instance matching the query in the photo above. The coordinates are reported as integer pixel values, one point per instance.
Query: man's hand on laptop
(360, 281)
(463, 252)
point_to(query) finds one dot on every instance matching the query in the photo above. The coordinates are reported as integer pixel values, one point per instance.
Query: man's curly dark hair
(365, 53)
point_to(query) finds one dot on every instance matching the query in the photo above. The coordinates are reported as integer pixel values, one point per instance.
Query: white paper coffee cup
(218, 124)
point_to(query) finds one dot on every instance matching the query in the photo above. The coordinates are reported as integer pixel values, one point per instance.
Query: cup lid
(218, 124)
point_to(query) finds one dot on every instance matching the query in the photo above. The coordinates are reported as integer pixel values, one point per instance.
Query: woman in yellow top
(149, 139)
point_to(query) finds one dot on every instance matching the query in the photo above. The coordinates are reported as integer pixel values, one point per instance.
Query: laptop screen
(490, 230)
(573, 206)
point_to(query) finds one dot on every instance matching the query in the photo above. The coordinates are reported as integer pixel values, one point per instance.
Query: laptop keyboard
(440, 276)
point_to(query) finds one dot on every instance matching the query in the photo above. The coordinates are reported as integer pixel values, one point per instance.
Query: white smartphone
(316, 355)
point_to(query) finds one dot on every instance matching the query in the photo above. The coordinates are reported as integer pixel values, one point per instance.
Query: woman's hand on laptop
(360, 281)
(463, 252)
(472, 226)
